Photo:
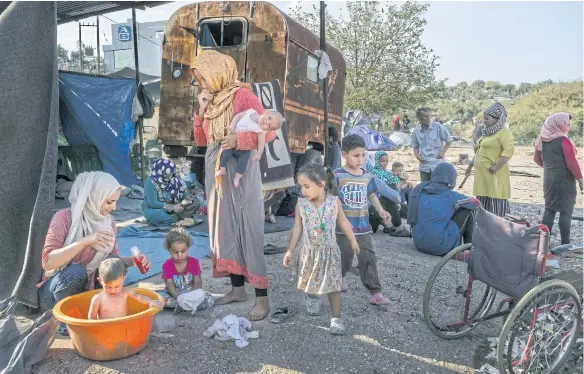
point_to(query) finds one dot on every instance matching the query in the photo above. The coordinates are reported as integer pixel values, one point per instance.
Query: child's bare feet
(237, 179)
(177, 310)
(221, 172)
(260, 309)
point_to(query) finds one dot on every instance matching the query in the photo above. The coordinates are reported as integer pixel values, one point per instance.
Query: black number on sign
(271, 148)
(266, 96)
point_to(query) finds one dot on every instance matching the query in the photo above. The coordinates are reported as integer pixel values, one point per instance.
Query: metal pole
(98, 49)
(327, 158)
(80, 52)
(137, 67)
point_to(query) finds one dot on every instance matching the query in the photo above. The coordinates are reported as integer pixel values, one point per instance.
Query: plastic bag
(19, 351)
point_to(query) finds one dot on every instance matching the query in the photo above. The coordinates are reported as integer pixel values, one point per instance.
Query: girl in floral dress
(318, 261)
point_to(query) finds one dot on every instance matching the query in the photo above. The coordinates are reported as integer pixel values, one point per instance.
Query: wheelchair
(542, 313)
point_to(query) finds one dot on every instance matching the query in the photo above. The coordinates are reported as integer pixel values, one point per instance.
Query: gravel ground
(388, 340)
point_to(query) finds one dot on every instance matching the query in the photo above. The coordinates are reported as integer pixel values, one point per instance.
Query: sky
(509, 42)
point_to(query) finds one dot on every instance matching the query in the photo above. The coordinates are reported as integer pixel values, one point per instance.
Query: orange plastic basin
(109, 339)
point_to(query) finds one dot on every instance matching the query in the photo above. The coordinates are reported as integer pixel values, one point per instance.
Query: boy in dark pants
(356, 188)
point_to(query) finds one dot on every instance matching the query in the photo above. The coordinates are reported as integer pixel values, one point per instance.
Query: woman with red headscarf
(556, 153)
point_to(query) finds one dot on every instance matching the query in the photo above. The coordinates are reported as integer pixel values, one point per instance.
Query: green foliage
(388, 67)
(527, 114)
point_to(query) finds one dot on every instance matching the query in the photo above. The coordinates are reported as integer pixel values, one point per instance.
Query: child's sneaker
(379, 299)
(344, 286)
(337, 327)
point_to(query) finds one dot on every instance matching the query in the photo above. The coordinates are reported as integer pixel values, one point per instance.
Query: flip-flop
(270, 249)
(281, 314)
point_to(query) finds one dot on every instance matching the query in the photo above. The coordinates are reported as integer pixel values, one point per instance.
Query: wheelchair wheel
(541, 331)
(445, 297)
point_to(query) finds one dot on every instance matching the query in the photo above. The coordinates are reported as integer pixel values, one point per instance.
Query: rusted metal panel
(277, 48)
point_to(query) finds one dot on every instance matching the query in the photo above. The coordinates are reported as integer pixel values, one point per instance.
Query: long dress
(319, 258)
(559, 185)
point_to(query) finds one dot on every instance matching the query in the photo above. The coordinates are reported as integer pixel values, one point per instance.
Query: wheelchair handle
(534, 229)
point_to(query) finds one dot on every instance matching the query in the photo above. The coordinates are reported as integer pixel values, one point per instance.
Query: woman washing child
(236, 221)
(80, 238)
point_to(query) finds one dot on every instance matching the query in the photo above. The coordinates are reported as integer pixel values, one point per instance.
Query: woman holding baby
(80, 238)
(236, 215)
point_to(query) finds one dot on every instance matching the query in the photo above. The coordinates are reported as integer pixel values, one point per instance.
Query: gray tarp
(28, 141)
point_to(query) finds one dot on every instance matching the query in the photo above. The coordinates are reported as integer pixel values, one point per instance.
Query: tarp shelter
(29, 114)
(97, 111)
(150, 82)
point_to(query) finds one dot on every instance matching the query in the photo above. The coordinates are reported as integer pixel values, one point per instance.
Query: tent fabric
(97, 110)
(374, 140)
(29, 115)
(131, 73)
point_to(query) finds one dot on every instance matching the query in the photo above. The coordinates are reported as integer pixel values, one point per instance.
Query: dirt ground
(387, 340)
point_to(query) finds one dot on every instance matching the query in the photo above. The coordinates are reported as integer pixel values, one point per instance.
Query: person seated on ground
(388, 198)
(181, 273)
(249, 121)
(437, 227)
(80, 238)
(165, 196)
(404, 187)
(112, 301)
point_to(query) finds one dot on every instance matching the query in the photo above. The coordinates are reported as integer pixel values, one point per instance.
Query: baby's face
(398, 171)
(114, 287)
(270, 122)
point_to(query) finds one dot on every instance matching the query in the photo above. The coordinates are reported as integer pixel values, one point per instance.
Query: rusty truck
(267, 45)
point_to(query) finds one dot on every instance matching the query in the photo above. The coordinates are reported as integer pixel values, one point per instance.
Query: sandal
(403, 233)
(281, 314)
(271, 219)
(63, 331)
(337, 327)
(312, 304)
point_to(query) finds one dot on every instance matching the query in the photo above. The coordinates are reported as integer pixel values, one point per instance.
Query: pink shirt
(182, 281)
(55, 239)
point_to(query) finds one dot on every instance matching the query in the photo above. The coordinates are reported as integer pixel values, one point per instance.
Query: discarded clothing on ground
(232, 328)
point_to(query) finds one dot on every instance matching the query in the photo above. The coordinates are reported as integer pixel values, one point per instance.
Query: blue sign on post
(124, 33)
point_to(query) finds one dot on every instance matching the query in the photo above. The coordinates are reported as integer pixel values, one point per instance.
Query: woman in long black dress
(557, 155)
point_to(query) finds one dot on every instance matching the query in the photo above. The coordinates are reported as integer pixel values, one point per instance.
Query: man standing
(430, 141)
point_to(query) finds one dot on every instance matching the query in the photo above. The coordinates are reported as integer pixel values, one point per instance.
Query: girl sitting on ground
(318, 263)
(181, 273)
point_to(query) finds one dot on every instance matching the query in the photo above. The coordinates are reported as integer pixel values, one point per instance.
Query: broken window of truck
(217, 33)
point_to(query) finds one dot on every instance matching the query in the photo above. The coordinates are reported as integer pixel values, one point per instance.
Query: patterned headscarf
(164, 177)
(220, 72)
(555, 126)
(386, 176)
(496, 111)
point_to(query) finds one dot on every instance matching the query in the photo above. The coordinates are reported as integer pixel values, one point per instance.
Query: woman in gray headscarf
(494, 149)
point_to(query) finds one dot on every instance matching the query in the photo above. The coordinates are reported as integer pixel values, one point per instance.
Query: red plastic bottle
(138, 260)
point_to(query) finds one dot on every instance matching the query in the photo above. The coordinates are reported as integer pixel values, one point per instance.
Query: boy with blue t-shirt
(356, 188)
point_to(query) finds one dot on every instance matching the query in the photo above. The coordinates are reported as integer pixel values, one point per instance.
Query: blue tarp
(98, 111)
(152, 245)
(374, 140)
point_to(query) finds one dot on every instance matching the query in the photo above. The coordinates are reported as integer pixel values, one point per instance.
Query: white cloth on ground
(232, 328)
(191, 300)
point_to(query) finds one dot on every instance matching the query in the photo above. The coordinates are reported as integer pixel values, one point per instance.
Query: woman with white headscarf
(494, 149)
(79, 238)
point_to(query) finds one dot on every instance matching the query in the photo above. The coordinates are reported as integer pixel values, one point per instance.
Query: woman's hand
(493, 169)
(205, 98)
(229, 142)
(145, 262)
(104, 239)
(177, 208)
(581, 184)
